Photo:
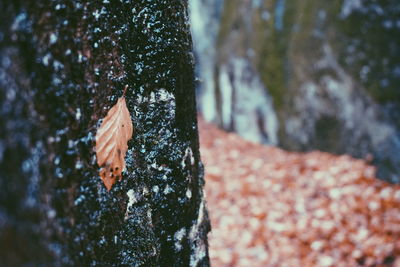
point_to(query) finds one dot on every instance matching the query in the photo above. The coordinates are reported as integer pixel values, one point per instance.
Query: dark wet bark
(63, 65)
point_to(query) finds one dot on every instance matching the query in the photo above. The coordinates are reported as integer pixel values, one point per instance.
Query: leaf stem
(126, 87)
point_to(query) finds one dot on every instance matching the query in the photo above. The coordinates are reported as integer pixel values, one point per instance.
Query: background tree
(63, 66)
(304, 75)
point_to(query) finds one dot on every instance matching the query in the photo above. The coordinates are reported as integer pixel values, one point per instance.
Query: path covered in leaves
(269, 207)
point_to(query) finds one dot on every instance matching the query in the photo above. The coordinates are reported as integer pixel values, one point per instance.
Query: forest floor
(270, 207)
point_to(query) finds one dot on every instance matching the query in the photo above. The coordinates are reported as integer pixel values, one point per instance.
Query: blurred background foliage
(303, 75)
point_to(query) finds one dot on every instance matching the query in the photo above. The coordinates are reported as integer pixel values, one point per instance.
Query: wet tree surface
(63, 65)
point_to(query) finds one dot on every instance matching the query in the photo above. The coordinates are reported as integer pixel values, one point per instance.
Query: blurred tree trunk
(304, 75)
(63, 65)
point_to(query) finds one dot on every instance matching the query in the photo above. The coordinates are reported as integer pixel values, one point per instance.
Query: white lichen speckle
(156, 189)
(80, 57)
(96, 14)
(149, 214)
(53, 38)
(198, 246)
(152, 97)
(188, 154)
(167, 190)
(164, 95)
(349, 6)
(159, 95)
(132, 200)
(78, 114)
(145, 191)
(51, 214)
(178, 236)
(189, 194)
(78, 165)
(45, 59)
(57, 65)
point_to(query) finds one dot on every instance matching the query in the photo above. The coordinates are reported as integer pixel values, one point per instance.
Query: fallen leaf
(111, 142)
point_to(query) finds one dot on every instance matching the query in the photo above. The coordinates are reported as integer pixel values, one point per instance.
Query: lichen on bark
(76, 56)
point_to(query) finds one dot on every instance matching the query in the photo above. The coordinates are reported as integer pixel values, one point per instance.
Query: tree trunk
(63, 66)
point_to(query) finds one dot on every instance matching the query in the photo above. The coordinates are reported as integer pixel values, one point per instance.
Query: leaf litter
(270, 207)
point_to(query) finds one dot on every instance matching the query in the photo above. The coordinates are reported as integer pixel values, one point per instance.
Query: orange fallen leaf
(111, 142)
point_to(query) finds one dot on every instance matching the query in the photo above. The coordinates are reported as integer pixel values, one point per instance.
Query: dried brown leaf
(111, 142)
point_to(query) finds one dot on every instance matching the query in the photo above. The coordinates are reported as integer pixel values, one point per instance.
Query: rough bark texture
(304, 75)
(63, 65)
